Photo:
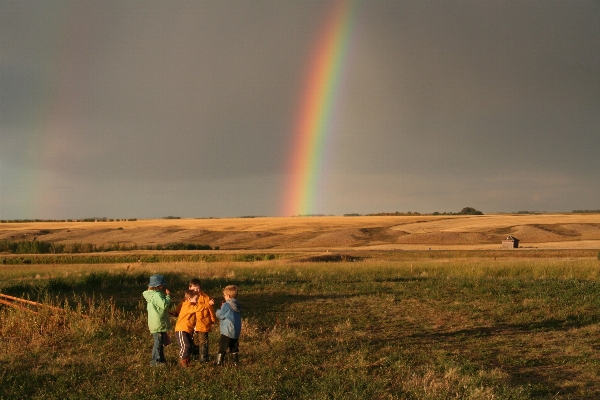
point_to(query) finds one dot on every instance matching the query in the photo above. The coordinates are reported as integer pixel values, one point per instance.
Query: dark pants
(226, 342)
(200, 343)
(201, 338)
(158, 354)
(186, 344)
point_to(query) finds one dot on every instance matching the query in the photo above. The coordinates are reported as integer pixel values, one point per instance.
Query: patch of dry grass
(426, 329)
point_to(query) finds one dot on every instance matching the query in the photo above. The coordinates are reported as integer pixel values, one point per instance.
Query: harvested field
(484, 232)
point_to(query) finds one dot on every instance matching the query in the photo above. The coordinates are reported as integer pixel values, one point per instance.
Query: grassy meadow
(476, 328)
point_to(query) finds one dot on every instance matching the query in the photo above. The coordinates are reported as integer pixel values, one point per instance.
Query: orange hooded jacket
(187, 317)
(205, 317)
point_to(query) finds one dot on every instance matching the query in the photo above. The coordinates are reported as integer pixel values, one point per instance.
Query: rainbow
(49, 126)
(313, 125)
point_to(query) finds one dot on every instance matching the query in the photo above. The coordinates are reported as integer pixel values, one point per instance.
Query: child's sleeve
(213, 317)
(161, 302)
(177, 310)
(220, 314)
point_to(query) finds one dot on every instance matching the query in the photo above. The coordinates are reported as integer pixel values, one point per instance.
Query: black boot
(234, 359)
(195, 351)
(204, 354)
(219, 359)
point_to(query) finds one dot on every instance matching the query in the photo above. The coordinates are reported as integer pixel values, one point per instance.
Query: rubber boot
(204, 353)
(234, 359)
(185, 362)
(219, 360)
(195, 351)
(195, 347)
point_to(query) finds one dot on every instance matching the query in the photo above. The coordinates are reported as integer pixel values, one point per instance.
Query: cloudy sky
(187, 108)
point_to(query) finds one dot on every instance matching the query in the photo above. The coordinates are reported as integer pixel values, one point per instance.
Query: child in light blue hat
(158, 298)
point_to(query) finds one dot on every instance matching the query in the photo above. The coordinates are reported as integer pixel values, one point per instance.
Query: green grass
(132, 258)
(420, 329)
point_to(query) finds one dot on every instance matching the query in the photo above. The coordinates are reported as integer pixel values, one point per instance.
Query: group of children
(195, 317)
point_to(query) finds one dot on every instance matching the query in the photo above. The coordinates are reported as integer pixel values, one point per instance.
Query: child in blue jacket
(230, 318)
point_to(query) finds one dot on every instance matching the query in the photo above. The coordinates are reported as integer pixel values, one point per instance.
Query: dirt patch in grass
(330, 257)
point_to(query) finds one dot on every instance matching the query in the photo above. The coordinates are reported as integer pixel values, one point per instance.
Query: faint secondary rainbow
(314, 120)
(49, 123)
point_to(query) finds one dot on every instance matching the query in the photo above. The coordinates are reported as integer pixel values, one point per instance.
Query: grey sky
(147, 109)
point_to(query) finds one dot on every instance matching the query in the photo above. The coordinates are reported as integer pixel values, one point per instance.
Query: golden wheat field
(335, 233)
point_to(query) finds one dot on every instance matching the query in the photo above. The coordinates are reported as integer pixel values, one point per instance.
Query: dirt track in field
(485, 232)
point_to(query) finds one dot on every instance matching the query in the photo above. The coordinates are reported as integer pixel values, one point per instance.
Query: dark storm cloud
(510, 83)
(209, 89)
(191, 105)
(195, 87)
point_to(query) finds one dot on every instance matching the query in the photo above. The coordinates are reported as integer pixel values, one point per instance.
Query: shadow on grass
(401, 279)
(267, 309)
(551, 324)
(541, 374)
(122, 284)
(261, 298)
(542, 379)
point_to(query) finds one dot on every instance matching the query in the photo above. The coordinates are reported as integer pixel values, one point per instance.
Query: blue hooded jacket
(230, 319)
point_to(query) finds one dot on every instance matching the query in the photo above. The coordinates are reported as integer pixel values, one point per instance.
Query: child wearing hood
(158, 298)
(230, 318)
(204, 320)
(190, 312)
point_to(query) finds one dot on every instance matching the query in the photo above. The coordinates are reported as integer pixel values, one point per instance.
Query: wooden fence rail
(27, 305)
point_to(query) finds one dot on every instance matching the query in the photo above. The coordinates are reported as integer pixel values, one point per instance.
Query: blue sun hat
(157, 280)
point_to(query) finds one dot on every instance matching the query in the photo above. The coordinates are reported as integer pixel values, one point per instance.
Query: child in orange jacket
(190, 311)
(204, 320)
(194, 285)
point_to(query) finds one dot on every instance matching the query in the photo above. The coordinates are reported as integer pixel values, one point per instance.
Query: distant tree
(469, 211)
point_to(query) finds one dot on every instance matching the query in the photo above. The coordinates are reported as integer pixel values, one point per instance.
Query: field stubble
(415, 329)
(484, 232)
